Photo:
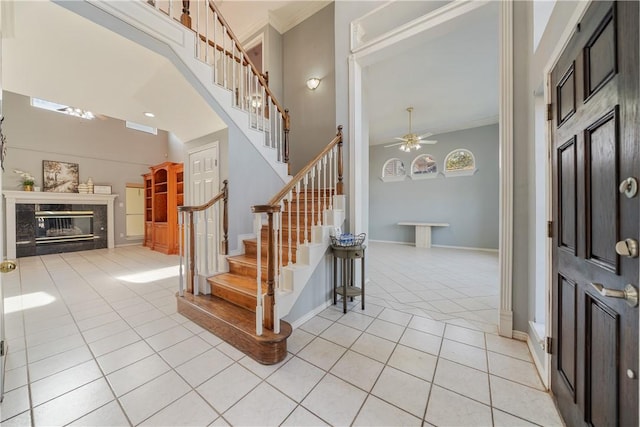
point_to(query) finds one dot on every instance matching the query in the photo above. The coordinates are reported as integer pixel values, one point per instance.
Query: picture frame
(101, 189)
(60, 177)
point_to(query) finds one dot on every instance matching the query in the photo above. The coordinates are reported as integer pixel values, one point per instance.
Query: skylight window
(142, 128)
(60, 108)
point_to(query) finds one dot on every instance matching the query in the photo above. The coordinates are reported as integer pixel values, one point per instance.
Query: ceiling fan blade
(393, 145)
(425, 135)
(428, 141)
(401, 138)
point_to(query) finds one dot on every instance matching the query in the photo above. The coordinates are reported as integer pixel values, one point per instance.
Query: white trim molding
(358, 149)
(505, 127)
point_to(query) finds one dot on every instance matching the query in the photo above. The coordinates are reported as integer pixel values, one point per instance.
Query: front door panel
(595, 140)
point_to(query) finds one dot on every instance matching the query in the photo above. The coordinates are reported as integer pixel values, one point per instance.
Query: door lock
(7, 266)
(628, 248)
(630, 293)
(629, 187)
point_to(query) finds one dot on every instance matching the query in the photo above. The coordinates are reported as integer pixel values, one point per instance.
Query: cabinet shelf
(164, 188)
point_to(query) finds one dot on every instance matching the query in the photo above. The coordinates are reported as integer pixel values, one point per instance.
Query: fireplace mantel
(35, 197)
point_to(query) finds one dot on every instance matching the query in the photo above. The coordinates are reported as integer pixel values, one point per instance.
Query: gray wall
(468, 203)
(309, 52)
(272, 57)
(105, 150)
(316, 293)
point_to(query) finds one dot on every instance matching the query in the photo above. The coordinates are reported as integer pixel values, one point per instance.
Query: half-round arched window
(393, 170)
(424, 166)
(459, 162)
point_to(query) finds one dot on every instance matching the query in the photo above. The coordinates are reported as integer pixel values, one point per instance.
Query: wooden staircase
(230, 310)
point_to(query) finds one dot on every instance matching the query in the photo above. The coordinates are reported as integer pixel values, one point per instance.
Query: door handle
(630, 293)
(7, 266)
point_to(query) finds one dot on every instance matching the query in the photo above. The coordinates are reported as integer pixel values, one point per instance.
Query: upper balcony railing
(217, 46)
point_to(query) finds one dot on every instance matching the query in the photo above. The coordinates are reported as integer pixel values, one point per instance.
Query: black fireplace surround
(43, 229)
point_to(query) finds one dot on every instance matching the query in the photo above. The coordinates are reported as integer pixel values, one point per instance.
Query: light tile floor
(94, 339)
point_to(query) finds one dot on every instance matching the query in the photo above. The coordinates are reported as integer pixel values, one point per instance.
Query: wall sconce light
(313, 83)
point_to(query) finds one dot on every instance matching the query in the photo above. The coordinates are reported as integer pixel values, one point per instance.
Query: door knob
(7, 266)
(628, 248)
(630, 293)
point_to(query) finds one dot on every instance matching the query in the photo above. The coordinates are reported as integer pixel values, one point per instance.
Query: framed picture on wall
(60, 177)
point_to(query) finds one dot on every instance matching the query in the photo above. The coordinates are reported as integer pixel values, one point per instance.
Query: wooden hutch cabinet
(164, 192)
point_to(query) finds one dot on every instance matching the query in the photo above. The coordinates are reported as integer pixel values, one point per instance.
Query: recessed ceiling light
(149, 114)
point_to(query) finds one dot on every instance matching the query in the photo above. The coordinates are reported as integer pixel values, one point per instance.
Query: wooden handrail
(222, 195)
(275, 200)
(261, 79)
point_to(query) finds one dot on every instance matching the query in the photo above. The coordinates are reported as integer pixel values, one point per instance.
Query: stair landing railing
(311, 191)
(196, 225)
(233, 69)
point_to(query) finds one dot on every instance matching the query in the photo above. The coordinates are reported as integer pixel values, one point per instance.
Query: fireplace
(60, 226)
(63, 222)
(43, 229)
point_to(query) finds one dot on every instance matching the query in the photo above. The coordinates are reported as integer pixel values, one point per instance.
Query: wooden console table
(423, 232)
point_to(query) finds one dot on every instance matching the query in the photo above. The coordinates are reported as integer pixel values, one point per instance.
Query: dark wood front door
(595, 147)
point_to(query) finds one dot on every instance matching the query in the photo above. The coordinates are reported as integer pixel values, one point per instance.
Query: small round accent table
(347, 289)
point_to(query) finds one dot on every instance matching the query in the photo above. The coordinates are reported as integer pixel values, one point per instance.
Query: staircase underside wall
(317, 292)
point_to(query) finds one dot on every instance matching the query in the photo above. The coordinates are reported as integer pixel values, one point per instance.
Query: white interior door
(204, 185)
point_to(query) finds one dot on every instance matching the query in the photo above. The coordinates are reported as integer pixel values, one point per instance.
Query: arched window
(393, 170)
(459, 162)
(424, 166)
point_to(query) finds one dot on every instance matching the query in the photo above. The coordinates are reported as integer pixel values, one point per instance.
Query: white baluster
(313, 196)
(289, 196)
(320, 192)
(257, 226)
(330, 180)
(263, 97)
(198, 48)
(171, 9)
(324, 191)
(206, 35)
(196, 287)
(297, 213)
(279, 238)
(224, 56)
(234, 83)
(215, 48)
(206, 242)
(306, 233)
(181, 252)
(335, 170)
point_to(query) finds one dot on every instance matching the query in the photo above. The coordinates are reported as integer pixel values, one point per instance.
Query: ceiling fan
(411, 141)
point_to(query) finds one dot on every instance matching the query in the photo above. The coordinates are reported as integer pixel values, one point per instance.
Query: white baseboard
(311, 314)
(122, 245)
(391, 241)
(466, 248)
(520, 336)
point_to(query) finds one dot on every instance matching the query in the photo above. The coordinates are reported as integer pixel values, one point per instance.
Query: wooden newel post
(224, 247)
(269, 297)
(185, 18)
(192, 258)
(287, 127)
(339, 185)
